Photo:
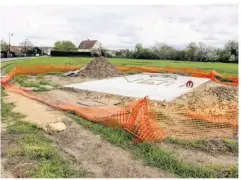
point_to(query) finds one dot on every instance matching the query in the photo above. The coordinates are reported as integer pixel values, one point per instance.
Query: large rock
(56, 127)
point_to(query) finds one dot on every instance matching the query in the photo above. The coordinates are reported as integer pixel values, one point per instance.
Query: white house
(47, 50)
(89, 45)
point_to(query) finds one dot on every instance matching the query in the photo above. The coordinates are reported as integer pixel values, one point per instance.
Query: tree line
(27, 48)
(192, 52)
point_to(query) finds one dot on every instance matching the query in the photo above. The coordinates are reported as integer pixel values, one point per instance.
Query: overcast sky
(121, 26)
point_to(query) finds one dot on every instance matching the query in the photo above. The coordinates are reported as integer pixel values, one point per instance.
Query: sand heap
(220, 100)
(99, 68)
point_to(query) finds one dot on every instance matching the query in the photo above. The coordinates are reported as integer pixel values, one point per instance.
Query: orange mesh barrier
(38, 69)
(41, 69)
(138, 118)
(137, 121)
(191, 71)
(229, 119)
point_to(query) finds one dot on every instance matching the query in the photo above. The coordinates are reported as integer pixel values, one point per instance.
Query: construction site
(154, 105)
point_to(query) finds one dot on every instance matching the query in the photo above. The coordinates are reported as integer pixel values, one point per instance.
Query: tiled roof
(87, 44)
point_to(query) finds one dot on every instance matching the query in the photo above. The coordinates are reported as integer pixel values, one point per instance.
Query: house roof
(87, 44)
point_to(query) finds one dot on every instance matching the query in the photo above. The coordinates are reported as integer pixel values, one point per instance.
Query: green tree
(64, 46)
(4, 45)
(191, 51)
(164, 51)
(139, 48)
(231, 48)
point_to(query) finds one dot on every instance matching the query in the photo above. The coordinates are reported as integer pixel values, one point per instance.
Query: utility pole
(9, 46)
(26, 46)
(36, 49)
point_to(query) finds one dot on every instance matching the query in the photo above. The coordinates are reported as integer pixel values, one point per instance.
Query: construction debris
(72, 73)
(99, 68)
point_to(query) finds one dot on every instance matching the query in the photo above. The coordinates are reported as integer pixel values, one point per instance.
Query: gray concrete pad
(155, 86)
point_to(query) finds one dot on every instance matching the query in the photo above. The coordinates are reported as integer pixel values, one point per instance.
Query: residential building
(89, 46)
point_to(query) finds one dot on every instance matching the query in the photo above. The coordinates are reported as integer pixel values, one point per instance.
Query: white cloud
(121, 26)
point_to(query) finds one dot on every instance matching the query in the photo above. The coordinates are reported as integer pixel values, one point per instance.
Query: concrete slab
(155, 86)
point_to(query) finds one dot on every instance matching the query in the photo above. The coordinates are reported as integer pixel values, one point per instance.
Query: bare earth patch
(35, 112)
(81, 97)
(62, 80)
(198, 157)
(5, 173)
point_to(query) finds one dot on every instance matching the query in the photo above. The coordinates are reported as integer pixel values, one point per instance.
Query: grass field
(223, 68)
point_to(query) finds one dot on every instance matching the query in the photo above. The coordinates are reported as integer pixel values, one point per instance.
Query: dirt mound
(219, 100)
(99, 68)
(225, 93)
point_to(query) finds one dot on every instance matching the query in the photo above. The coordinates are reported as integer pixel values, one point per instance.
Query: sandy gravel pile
(220, 100)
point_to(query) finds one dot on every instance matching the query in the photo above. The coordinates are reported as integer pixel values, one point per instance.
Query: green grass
(21, 127)
(31, 145)
(150, 153)
(230, 171)
(223, 68)
(25, 82)
(217, 146)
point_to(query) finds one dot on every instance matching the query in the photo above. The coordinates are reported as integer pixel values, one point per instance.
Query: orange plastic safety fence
(212, 75)
(138, 122)
(228, 119)
(136, 118)
(38, 69)
(195, 72)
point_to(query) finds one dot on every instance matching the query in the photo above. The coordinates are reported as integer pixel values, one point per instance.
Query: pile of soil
(228, 93)
(99, 68)
(220, 100)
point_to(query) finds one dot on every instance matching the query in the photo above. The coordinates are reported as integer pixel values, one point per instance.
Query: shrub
(146, 54)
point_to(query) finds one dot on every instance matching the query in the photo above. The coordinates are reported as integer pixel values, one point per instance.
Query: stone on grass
(56, 127)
